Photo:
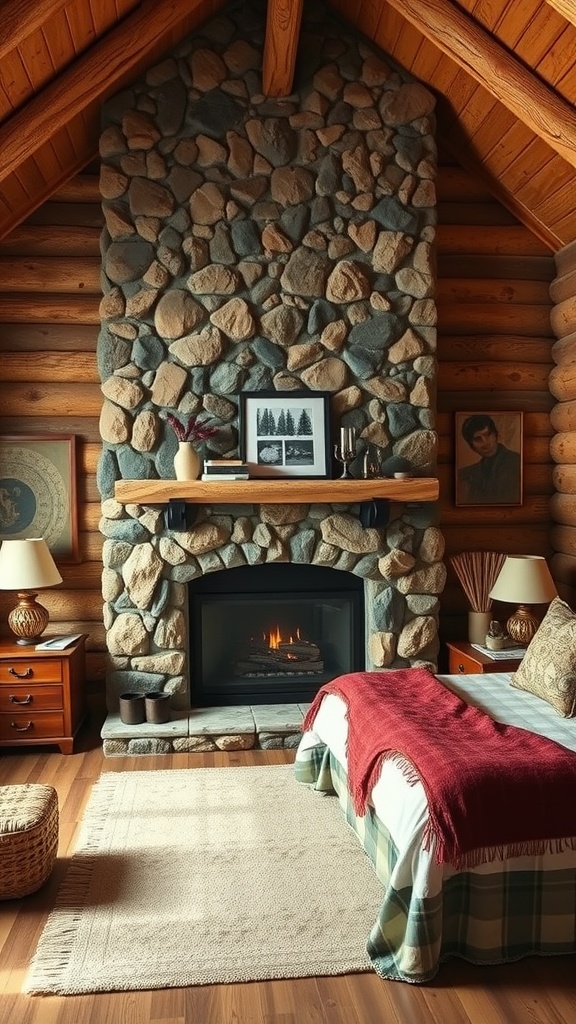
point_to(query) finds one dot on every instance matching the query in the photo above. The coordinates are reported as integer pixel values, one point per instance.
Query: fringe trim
(485, 854)
(47, 971)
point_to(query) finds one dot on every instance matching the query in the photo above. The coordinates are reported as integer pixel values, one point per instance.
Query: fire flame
(274, 638)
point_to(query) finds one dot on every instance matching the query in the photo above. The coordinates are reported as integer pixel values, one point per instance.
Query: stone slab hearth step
(278, 718)
(261, 726)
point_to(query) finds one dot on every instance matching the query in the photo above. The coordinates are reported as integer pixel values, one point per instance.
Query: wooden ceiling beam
(98, 73)
(20, 18)
(567, 8)
(501, 74)
(281, 46)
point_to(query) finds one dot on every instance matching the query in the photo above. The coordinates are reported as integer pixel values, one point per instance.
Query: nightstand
(464, 659)
(42, 695)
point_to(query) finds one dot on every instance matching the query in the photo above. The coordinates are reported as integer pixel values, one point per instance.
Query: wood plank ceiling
(504, 73)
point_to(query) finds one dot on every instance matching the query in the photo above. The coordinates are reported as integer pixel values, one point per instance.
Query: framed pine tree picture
(285, 433)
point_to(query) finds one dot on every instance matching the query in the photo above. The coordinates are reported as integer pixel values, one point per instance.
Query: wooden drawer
(42, 698)
(463, 664)
(466, 660)
(31, 699)
(31, 670)
(39, 726)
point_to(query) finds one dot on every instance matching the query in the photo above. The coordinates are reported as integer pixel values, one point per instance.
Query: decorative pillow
(548, 669)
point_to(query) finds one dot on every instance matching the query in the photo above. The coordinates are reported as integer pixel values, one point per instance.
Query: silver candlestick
(345, 452)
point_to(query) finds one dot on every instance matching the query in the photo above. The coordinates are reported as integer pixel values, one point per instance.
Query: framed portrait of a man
(488, 458)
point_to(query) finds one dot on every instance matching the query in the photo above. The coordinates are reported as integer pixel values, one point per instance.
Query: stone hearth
(261, 727)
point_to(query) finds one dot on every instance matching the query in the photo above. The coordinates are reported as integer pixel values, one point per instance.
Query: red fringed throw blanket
(493, 790)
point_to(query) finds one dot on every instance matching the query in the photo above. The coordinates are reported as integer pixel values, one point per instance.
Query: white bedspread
(492, 692)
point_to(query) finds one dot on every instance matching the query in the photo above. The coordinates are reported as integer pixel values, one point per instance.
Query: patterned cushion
(548, 668)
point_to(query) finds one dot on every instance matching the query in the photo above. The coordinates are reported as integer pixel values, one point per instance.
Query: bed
(503, 909)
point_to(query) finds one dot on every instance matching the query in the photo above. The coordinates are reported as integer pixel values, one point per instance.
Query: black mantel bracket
(375, 513)
(180, 515)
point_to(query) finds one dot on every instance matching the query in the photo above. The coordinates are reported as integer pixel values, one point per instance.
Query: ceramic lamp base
(522, 625)
(28, 619)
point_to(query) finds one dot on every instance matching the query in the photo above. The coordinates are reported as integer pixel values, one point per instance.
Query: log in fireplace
(270, 634)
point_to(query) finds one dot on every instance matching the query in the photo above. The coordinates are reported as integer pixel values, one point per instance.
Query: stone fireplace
(273, 633)
(265, 244)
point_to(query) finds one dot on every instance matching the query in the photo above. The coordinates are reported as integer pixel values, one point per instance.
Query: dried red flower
(192, 430)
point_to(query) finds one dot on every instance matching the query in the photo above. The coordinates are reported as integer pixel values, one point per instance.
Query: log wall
(562, 385)
(494, 354)
(49, 301)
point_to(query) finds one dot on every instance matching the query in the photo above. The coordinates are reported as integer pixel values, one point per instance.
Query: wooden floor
(536, 991)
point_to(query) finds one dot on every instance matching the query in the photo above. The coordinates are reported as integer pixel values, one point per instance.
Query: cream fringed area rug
(207, 875)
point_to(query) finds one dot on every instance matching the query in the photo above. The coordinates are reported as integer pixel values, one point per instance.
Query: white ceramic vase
(187, 462)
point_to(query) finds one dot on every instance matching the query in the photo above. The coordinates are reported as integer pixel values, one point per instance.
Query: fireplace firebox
(270, 634)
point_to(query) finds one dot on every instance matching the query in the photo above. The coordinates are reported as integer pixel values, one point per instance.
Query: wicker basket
(28, 838)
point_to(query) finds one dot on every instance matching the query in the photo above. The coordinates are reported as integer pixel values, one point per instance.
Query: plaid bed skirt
(482, 918)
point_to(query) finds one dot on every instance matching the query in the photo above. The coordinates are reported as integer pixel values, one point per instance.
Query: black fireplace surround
(270, 634)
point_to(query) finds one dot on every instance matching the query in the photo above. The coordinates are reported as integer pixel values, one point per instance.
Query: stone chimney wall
(260, 244)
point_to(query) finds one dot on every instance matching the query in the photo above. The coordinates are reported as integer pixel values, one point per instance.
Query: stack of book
(225, 469)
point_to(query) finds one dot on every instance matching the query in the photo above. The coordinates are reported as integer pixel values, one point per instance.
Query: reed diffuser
(477, 572)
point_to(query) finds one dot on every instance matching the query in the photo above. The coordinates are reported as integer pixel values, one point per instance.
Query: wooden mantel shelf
(274, 492)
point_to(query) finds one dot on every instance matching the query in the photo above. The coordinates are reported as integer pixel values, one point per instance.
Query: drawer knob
(460, 667)
(17, 700)
(21, 728)
(20, 675)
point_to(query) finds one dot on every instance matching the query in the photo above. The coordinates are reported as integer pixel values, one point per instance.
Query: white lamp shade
(524, 579)
(27, 565)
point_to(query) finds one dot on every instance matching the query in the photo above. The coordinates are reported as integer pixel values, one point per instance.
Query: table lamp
(523, 580)
(27, 566)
